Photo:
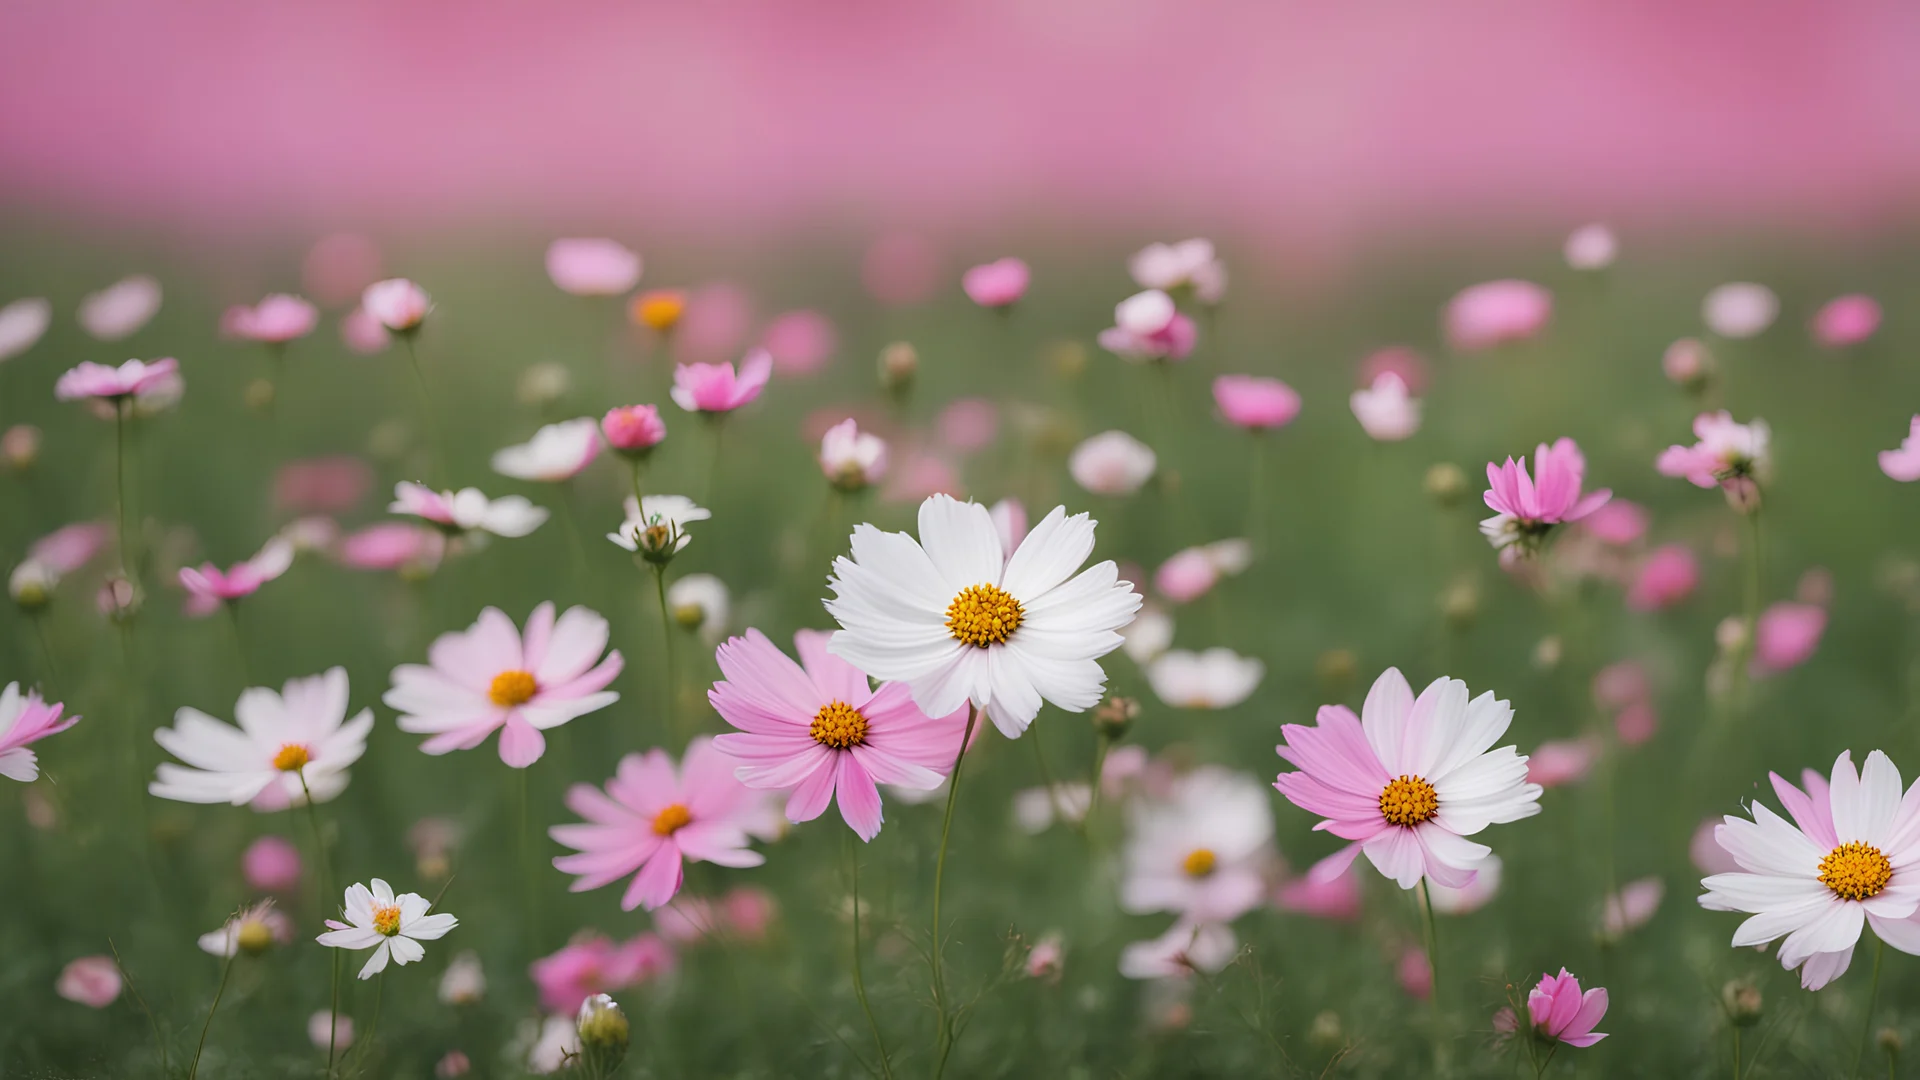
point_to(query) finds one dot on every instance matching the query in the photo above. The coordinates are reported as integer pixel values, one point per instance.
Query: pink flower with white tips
(1148, 326)
(491, 677)
(275, 320)
(397, 304)
(467, 510)
(1559, 1011)
(103, 382)
(1725, 453)
(1410, 779)
(652, 817)
(818, 729)
(716, 388)
(25, 720)
(1903, 464)
(1526, 509)
(209, 586)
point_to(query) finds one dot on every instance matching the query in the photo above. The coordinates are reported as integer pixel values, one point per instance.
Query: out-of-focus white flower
(1112, 463)
(852, 459)
(1386, 410)
(1591, 247)
(1739, 309)
(700, 602)
(1218, 678)
(1149, 635)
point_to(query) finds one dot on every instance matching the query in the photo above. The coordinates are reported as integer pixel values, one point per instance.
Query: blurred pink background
(1329, 124)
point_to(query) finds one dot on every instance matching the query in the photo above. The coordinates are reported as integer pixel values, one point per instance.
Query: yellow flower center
(1200, 862)
(838, 725)
(386, 921)
(671, 820)
(1408, 800)
(983, 615)
(659, 311)
(291, 757)
(512, 688)
(255, 937)
(1855, 871)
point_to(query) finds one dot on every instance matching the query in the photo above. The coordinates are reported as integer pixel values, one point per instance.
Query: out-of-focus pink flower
(1787, 635)
(1815, 586)
(1739, 309)
(271, 864)
(968, 424)
(901, 268)
(1687, 362)
(715, 388)
(1414, 973)
(1189, 573)
(1149, 326)
(1591, 247)
(918, 476)
(633, 430)
(1561, 762)
(1725, 451)
(452, 1064)
(1254, 403)
(714, 323)
(276, 320)
(1559, 1011)
(598, 965)
(1336, 897)
(1496, 312)
(800, 342)
(1526, 509)
(852, 459)
(1010, 521)
(209, 584)
(1385, 410)
(1619, 522)
(93, 981)
(1400, 360)
(1632, 907)
(687, 920)
(338, 267)
(1620, 684)
(1846, 320)
(121, 308)
(69, 547)
(1111, 463)
(592, 266)
(1000, 283)
(1704, 849)
(1471, 897)
(1636, 723)
(556, 453)
(363, 333)
(25, 720)
(391, 545)
(1046, 958)
(397, 304)
(328, 1031)
(22, 322)
(748, 912)
(105, 383)
(1903, 463)
(1189, 264)
(324, 485)
(1666, 578)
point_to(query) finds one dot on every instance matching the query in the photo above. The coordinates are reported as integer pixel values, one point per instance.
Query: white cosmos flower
(1849, 858)
(299, 734)
(1386, 410)
(1149, 635)
(669, 514)
(1739, 309)
(1202, 851)
(958, 620)
(1178, 953)
(1187, 263)
(852, 459)
(1112, 463)
(21, 324)
(1215, 679)
(467, 510)
(556, 452)
(392, 926)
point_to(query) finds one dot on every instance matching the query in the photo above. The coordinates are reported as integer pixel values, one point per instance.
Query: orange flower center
(671, 820)
(1200, 862)
(386, 920)
(1856, 871)
(512, 688)
(983, 615)
(291, 757)
(659, 311)
(1408, 800)
(838, 725)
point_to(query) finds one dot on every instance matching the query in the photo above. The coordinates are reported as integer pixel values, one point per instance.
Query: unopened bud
(603, 1034)
(1112, 717)
(1460, 603)
(1446, 484)
(1731, 634)
(899, 362)
(1547, 652)
(1741, 998)
(1688, 364)
(254, 937)
(1743, 494)
(31, 585)
(20, 446)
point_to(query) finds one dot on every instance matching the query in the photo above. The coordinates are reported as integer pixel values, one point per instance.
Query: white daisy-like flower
(392, 926)
(958, 620)
(1850, 858)
(467, 510)
(556, 452)
(657, 524)
(1217, 678)
(1202, 852)
(287, 744)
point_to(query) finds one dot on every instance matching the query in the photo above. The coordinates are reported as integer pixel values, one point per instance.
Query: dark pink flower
(1526, 508)
(93, 981)
(633, 429)
(597, 965)
(271, 864)
(1666, 578)
(1334, 898)
(1787, 635)
(1619, 522)
(716, 388)
(1846, 320)
(390, 546)
(1559, 1011)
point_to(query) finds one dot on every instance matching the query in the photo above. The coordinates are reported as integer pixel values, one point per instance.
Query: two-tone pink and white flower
(25, 720)
(1186, 265)
(208, 586)
(1726, 452)
(275, 320)
(398, 305)
(467, 510)
(556, 452)
(1149, 326)
(121, 308)
(717, 388)
(1526, 508)
(103, 382)
(287, 745)
(852, 459)
(1386, 410)
(1903, 463)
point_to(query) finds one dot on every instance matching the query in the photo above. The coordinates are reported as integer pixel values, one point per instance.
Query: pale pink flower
(687, 920)
(1632, 907)
(1668, 576)
(1411, 781)
(1636, 724)
(1148, 326)
(1336, 898)
(1561, 762)
(397, 304)
(276, 320)
(1203, 851)
(595, 964)
(69, 547)
(1046, 958)
(1739, 309)
(1903, 464)
(557, 452)
(209, 585)
(325, 485)
(714, 323)
(1185, 948)
(1255, 403)
(1846, 320)
(652, 816)
(800, 342)
(1787, 634)
(338, 266)
(24, 720)
(391, 546)
(1010, 521)
(1189, 264)
(1559, 1011)
(1414, 973)
(820, 731)
(1704, 848)
(1190, 573)
(1591, 247)
(491, 678)
(919, 476)
(467, 510)
(715, 388)
(1385, 410)
(1400, 360)
(1725, 452)
(102, 382)
(310, 533)
(852, 459)
(1621, 684)
(1619, 522)
(1687, 363)
(93, 981)
(271, 864)
(1112, 463)
(748, 911)
(121, 308)
(968, 424)
(452, 1064)
(633, 430)
(20, 445)
(327, 1031)
(592, 267)
(1497, 312)
(362, 332)
(22, 323)
(1527, 508)
(1472, 896)
(996, 284)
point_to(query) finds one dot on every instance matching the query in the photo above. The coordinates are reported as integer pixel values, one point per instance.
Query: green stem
(1736, 1052)
(326, 886)
(669, 687)
(859, 980)
(634, 466)
(1432, 937)
(46, 650)
(426, 409)
(1054, 798)
(1873, 998)
(152, 1023)
(127, 560)
(240, 644)
(226, 969)
(373, 1029)
(1102, 744)
(944, 1035)
(1257, 495)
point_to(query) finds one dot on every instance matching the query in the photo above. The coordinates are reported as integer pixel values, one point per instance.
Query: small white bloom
(1034, 809)
(1739, 309)
(1386, 410)
(658, 524)
(852, 459)
(556, 452)
(21, 324)
(1145, 313)
(121, 308)
(397, 304)
(1218, 678)
(1112, 463)
(392, 926)
(1189, 263)
(32, 583)
(1591, 247)
(1180, 952)
(468, 510)
(299, 736)
(464, 982)
(700, 602)
(253, 930)
(1148, 635)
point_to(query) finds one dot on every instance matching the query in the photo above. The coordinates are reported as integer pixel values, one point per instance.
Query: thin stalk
(669, 687)
(1873, 998)
(579, 546)
(1736, 1052)
(39, 621)
(373, 1029)
(1102, 744)
(1432, 936)
(426, 408)
(127, 978)
(1750, 619)
(944, 1036)
(528, 899)
(226, 969)
(127, 560)
(634, 467)
(1054, 798)
(1257, 495)
(859, 980)
(326, 885)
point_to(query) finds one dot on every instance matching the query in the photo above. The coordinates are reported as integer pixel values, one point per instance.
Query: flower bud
(899, 362)
(1446, 484)
(1688, 364)
(1326, 1031)
(1460, 604)
(603, 1034)
(633, 430)
(543, 384)
(20, 446)
(1889, 1042)
(31, 585)
(1731, 634)
(255, 937)
(1743, 493)
(1741, 998)
(1547, 652)
(1112, 717)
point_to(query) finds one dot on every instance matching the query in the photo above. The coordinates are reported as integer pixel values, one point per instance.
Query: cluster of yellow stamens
(838, 725)
(1408, 800)
(1200, 862)
(983, 615)
(386, 920)
(671, 819)
(292, 757)
(1856, 871)
(512, 688)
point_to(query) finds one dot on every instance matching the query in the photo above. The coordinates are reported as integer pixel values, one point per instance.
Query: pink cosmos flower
(714, 323)
(714, 388)
(852, 459)
(1591, 247)
(1526, 509)
(397, 304)
(276, 320)
(69, 547)
(748, 911)
(22, 323)
(1400, 360)
(338, 266)
(817, 728)
(209, 586)
(93, 981)
(104, 383)
(996, 284)
(968, 424)
(652, 816)
(1386, 411)
(1559, 1011)
(1619, 522)
(592, 267)
(1201, 852)
(1787, 634)
(391, 545)
(633, 429)
(1496, 312)
(491, 678)
(1010, 521)
(1188, 264)
(1704, 848)
(1336, 898)
(1254, 403)
(24, 720)
(1410, 779)
(1414, 973)
(595, 964)
(1725, 451)
(467, 510)
(271, 864)
(1739, 309)
(1566, 761)
(363, 333)
(121, 308)
(1846, 320)
(1687, 363)
(1192, 572)
(800, 342)
(1621, 684)
(1148, 326)
(1636, 724)
(1666, 578)
(1632, 907)
(1112, 463)
(1903, 464)
(323, 485)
